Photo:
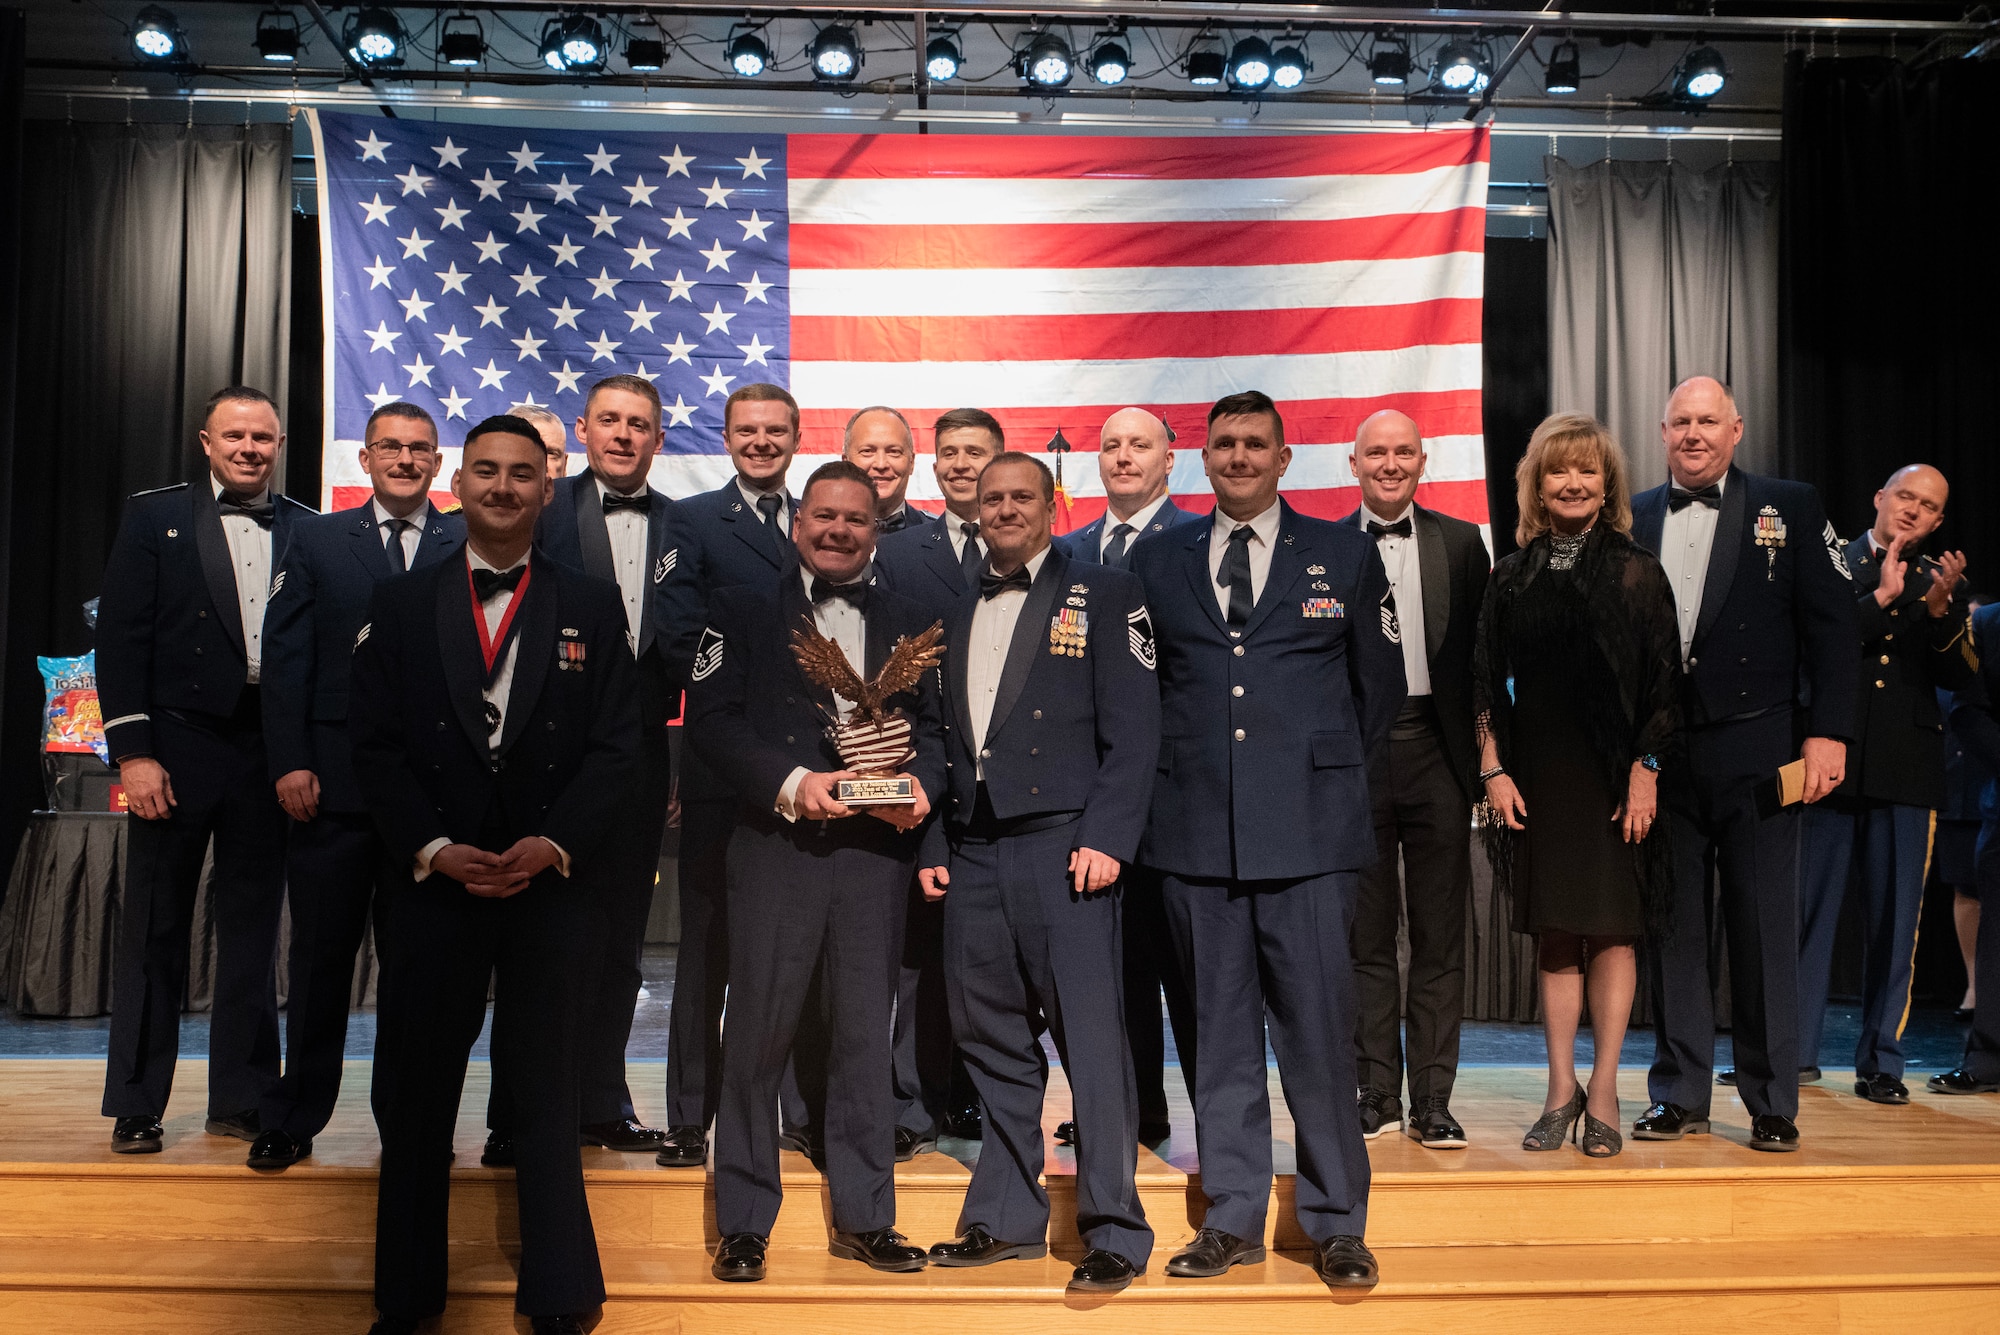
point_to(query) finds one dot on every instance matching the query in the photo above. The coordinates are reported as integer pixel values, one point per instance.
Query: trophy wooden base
(886, 791)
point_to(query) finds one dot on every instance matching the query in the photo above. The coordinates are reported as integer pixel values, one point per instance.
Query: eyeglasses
(392, 449)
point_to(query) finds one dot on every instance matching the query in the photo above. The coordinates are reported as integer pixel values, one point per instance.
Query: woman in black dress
(1576, 680)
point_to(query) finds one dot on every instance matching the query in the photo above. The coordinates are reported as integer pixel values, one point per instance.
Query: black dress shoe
(1961, 1081)
(1668, 1121)
(498, 1151)
(880, 1249)
(909, 1144)
(1152, 1133)
(965, 1123)
(1102, 1272)
(1774, 1133)
(1345, 1262)
(277, 1149)
(1066, 1133)
(626, 1135)
(978, 1247)
(394, 1325)
(243, 1125)
(683, 1147)
(1212, 1253)
(1380, 1113)
(1431, 1125)
(739, 1258)
(1807, 1075)
(136, 1135)
(1880, 1088)
(556, 1325)
(799, 1140)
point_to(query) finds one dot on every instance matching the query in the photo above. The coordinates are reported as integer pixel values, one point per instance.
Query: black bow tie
(1399, 529)
(259, 513)
(1679, 498)
(856, 593)
(487, 583)
(642, 502)
(992, 585)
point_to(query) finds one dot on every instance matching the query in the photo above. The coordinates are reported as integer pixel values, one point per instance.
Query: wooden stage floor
(1887, 1218)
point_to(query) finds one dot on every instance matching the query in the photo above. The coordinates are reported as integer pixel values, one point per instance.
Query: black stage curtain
(155, 269)
(1888, 342)
(13, 49)
(1516, 356)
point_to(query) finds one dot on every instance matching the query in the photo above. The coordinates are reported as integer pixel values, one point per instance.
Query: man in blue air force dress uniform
(333, 856)
(1764, 609)
(494, 707)
(608, 523)
(180, 651)
(1280, 673)
(738, 534)
(1975, 717)
(1054, 732)
(879, 442)
(1915, 639)
(1135, 461)
(934, 564)
(816, 888)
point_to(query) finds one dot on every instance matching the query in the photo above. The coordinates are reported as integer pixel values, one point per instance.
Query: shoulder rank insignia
(1139, 632)
(1069, 629)
(362, 638)
(1323, 608)
(1392, 629)
(1770, 536)
(1833, 549)
(665, 565)
(708, 654)
(276, 584)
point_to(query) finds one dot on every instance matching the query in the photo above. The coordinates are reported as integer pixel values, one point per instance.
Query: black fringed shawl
(1624, 640)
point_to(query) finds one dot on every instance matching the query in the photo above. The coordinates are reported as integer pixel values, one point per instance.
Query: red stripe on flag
(1019, 338)
(1096, 245)
(1311, 421)
(814, 156)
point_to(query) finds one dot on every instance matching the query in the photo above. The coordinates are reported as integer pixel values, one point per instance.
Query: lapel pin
(173, 533)
(1288, 540)
(1315, 570)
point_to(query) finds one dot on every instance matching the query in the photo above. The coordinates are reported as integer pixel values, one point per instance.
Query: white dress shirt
(841, 622)
(1404, 562)
(250, 562)
(750, 495)
(1263, 535)
(1686, 540)
(993, 622)
(409, 537)
(953, 529)
(494, 612)
(1139, 520)
(627, 530)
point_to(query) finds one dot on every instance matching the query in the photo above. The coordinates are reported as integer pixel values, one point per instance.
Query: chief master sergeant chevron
(1280, 671)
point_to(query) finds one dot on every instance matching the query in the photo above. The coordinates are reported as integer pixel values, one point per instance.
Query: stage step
(1879, 1287)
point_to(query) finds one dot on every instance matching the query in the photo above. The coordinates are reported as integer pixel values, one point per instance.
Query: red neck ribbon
(493, 645)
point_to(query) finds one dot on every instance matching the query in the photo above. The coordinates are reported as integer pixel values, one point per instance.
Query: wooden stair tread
(680, 1274)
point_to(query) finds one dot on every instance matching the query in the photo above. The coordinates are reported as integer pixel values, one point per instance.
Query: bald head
(1133, 461)
(1388, 460)
(1700, 429)
(1910, 505)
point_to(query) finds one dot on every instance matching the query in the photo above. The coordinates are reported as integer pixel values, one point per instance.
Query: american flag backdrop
(1048, 279)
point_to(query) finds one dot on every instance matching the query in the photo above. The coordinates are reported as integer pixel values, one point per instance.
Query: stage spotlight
(462, 42)
(1565, 74)
(375, 37)
(1047, 63)
(1205, 63)
(645, 54)
(1462, 67)
(1110, 62)
(748, 55)
(1289, 64)
(836, 57)
(942, 58)
(1701, 75)
(1250, 64)
(156, 36)
(278, 37)
(1389, 63)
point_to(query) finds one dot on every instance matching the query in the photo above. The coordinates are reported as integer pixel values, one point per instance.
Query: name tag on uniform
(1322, 608)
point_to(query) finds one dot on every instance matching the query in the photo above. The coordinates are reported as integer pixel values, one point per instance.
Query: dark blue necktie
(1236, 575)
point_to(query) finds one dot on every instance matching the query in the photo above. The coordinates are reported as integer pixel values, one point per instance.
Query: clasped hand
(1895, 572)
(495, 875)
(817, 799)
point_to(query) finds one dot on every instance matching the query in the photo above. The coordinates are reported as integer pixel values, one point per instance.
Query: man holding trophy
(816, 700)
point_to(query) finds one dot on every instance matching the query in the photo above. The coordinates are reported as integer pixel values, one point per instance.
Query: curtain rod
(1060, 118)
